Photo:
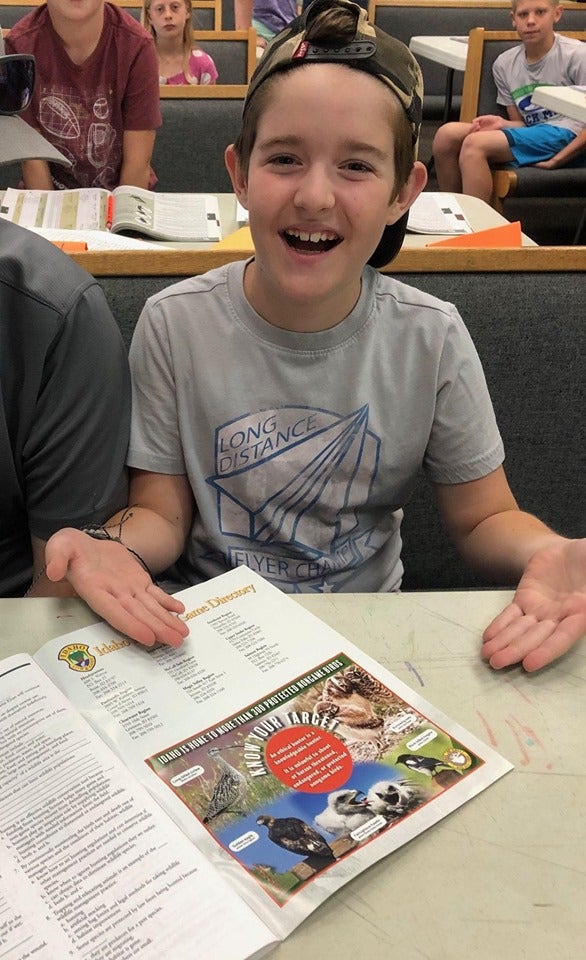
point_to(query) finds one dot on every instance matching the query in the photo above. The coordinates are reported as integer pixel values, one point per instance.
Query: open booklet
(437, 213)
(164, 216)
(289, 758)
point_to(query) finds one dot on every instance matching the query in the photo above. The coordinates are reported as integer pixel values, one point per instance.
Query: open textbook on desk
(290, 759)
(164, 216)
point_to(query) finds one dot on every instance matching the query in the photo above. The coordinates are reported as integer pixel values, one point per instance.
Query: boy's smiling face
(320, 181)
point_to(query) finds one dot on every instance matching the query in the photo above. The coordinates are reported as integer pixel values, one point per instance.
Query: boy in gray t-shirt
(531, 135)
(282, 407)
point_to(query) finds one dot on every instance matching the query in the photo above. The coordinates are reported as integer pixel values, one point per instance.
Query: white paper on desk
(437, 213)
(95, 239)
(264, 679)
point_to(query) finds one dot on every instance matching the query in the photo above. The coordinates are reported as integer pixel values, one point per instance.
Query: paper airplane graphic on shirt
(280, 488)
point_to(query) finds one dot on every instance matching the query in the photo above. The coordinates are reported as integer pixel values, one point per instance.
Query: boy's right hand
(114, 584)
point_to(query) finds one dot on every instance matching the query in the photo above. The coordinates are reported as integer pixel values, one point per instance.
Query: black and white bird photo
(429, 766)
(393, 799)
(442, 774)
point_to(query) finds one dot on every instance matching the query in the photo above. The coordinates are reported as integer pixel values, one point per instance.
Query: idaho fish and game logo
(77, 656)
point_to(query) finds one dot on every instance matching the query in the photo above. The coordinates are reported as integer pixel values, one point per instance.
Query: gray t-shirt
(302, 449)
(563, 66)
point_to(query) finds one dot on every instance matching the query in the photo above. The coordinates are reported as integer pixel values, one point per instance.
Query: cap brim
(18, 141)
(390, 242)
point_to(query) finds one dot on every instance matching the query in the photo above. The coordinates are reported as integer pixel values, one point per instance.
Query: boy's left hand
(548, 613)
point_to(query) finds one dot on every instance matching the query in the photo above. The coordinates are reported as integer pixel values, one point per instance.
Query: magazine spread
(291, 759)
(434, 212)
(165, 216)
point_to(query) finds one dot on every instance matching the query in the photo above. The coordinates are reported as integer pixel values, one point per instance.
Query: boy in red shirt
(96, 96)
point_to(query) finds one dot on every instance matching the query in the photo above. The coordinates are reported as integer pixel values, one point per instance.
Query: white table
(504, 876)
(451, 52)
(571, 101)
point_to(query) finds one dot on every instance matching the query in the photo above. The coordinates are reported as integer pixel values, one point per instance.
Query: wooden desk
(504, 876)
(571, 101)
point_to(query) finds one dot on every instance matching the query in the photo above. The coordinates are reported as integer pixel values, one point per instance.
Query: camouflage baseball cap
(371, 50)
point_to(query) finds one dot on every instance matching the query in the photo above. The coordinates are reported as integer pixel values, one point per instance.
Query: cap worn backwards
(370, 50)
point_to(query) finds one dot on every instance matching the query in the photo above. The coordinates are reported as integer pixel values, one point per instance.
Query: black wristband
(98, 532)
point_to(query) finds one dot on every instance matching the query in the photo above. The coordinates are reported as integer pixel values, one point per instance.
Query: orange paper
(508, 235)
(70, 246)
(239, 240)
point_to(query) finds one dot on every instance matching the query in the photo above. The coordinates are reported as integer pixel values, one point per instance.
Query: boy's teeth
(314, 237)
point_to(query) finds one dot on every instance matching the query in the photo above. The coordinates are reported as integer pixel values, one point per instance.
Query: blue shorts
(533, 144)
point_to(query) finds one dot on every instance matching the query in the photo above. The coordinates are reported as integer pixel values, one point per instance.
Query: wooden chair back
(198, 124)
(233, 52)
(11, 11)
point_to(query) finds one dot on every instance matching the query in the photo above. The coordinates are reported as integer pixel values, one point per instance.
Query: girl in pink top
(180, 62)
